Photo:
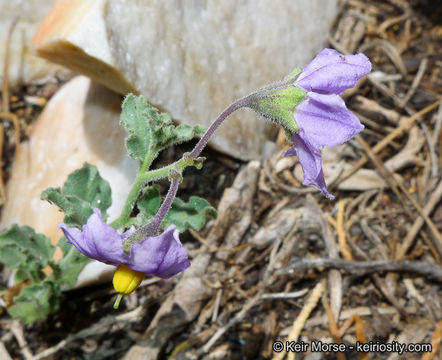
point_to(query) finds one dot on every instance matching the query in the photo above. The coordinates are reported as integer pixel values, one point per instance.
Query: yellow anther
(125, 281)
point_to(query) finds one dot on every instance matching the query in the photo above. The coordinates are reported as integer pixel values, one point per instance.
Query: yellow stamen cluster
(125, 281)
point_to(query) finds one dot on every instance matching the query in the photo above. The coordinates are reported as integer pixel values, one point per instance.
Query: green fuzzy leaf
(70, 265)
(36, 302)
(87, 184)
(192, 214)
(23, 249)
(11, 256)
(135, 119)
(178, 134)
(149, 203)
(183, 215)
(83, 191)
(150, 131)
(20, 275)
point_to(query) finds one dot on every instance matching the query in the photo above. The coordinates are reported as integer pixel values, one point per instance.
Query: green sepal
(292, 76)
(279, 104)
(192, 214)
(83, 191)
(23, 249)
(36, 302)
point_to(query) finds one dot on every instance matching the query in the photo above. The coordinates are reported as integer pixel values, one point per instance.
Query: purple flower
(162, 256)
(322, 117)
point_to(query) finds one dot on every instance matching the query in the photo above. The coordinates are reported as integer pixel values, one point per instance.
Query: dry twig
(386, 141)
(430, 271)
(437, 243)
(417, 225)
(297, 326)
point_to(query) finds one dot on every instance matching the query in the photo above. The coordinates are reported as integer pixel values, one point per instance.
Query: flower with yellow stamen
(163, 256)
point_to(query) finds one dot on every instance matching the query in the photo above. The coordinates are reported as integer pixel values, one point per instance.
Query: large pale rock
(190, 58)
(24, 66)
(80, 123)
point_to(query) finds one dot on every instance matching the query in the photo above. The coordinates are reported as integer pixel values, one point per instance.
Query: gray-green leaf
(183, 215)
(149, 203)
(192, 214)
(70, 265)
(23, 249)
(83, 191)
(150, 131)
(36, 302)
(135, 119)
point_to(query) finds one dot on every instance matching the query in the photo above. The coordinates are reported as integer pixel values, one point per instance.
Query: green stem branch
(190, 159)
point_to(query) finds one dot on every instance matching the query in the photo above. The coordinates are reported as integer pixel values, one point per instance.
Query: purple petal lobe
(311, 163)
(331, 72)
(75, 237)
(326, 121)
(98, 240)
(162, 256)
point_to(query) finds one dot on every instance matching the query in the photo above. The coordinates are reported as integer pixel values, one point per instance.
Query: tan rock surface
(24, 66)
(191, 59)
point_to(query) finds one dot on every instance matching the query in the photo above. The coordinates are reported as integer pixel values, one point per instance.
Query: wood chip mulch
(281, 262)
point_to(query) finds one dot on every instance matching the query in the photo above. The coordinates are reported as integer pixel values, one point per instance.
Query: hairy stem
(153, 228)
(154, 225)
(243, 102)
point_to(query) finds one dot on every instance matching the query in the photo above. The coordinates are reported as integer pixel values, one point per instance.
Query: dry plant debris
(280, 265)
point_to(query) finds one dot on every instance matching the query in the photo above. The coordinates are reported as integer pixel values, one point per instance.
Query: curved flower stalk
(322, 117)
(162, 256)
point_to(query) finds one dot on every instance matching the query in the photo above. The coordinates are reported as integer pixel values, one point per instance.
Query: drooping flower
(321, 117)
(162, 256)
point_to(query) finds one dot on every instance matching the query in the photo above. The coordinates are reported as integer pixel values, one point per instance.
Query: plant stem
(130, 202)
(153, 227)
(147, 162)
(137, 186)
(117, 301)
(144, 176)
(243, 102)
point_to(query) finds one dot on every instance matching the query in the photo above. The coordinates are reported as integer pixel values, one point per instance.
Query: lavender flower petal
(162, 256)
(332, 73)
(326, 121)
(98, 240)
(75, 237)
(311, 163)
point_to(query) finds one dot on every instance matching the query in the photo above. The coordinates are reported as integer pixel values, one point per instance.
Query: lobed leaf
(36, 302)
(83, 191)
(149, 202)
(70, 265)
(134, 118)
(23, 249)
(192, 214)
(150, 131)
